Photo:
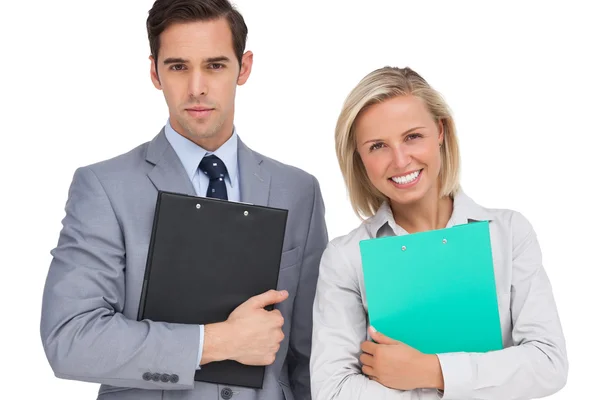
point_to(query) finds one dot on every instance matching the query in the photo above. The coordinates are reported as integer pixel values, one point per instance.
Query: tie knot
(213, 167)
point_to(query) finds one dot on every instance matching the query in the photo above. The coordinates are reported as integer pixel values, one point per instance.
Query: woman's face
(399, 144)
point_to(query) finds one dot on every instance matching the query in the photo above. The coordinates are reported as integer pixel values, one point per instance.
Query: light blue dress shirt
(190, 155)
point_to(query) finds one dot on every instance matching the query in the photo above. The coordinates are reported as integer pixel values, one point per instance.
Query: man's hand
(399, 366)
(251, 335)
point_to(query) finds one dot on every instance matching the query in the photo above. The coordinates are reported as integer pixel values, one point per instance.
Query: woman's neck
(428, 214)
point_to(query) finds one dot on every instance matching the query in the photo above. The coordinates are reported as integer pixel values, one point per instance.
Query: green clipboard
(434, 290)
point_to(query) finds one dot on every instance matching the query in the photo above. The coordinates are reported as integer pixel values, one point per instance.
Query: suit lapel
(255, 181)
(168, 173)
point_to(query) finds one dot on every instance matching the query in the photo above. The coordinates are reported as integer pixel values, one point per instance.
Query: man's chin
(200, 131)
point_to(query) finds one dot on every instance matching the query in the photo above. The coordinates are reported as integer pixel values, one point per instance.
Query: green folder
(434, 290)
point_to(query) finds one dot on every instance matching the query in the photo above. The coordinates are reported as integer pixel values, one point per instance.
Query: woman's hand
(399, 366)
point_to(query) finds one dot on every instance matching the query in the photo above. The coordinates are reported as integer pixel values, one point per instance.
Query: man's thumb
(267, 298)
(380, 338)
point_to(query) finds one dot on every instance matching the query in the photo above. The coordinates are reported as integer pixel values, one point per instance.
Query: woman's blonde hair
(376, 87)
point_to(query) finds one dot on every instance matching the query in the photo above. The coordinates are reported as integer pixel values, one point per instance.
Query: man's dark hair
(166, 12)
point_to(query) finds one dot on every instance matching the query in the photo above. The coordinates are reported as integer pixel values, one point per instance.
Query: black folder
(206, 257)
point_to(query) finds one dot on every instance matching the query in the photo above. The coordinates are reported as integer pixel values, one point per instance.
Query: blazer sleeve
(301, 330)
(84, 333)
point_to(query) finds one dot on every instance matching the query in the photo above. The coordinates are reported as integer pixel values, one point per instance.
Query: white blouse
(533, 362)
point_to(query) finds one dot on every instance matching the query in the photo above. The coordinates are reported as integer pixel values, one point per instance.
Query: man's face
(198, 73)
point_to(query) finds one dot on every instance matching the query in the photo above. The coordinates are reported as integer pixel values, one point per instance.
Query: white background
(521, 78)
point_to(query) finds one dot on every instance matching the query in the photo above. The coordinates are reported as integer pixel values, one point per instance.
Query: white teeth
(403, 180)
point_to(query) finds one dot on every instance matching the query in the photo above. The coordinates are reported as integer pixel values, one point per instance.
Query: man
(89, 328)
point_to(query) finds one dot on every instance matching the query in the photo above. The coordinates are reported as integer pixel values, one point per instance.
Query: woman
(397, 149)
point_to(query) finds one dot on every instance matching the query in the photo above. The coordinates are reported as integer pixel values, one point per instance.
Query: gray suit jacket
(88, 326)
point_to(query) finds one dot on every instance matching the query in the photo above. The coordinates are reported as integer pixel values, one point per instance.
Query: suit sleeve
(84, 333)
(301, 329)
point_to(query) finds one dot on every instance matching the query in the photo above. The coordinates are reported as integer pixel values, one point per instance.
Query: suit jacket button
(174, 378)
(165, 378)
(226, 394)
(155, 377)
(147, 376)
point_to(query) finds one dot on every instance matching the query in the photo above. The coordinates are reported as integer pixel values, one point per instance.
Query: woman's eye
(376, 146)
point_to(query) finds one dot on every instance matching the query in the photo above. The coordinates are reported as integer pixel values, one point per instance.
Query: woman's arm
(339, 328)
(536, 366)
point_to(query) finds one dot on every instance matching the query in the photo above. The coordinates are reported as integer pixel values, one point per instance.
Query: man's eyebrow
(210, 60)
(175, 60)
(217, 59)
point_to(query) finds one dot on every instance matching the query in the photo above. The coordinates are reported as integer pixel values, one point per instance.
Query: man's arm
(84, 333)
(301, 329)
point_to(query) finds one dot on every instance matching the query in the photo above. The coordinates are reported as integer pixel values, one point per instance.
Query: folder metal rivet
(246, 213)
(403, 248)
(444, 241)
(198, 206)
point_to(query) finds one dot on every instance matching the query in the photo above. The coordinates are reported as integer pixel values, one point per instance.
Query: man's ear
(154, 73)
(245, 68)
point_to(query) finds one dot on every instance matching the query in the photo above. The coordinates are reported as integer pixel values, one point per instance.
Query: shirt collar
(465, 210)
(191, 154)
